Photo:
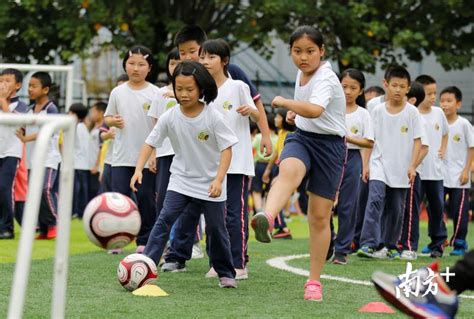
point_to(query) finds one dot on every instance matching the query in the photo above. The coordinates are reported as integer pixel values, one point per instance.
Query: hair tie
(146, 56)
(130, 53)
(194, 71)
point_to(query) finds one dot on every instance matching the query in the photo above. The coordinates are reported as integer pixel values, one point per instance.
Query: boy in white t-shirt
(429, 180)
(457, 167)
(38, 90)
(81, 160)
(393, 161)
(202, 143)
(10, 148)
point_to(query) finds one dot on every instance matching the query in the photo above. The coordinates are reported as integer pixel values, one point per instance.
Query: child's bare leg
(319, 213)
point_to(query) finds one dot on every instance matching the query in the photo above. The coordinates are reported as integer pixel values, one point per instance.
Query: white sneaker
(211, 273)
(408, 255)
(197, 252)
(241, 274)
(381, 254)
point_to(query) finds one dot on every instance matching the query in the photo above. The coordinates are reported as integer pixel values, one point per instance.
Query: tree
(358, 33)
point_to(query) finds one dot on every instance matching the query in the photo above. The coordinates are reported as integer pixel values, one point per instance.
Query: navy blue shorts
(324, 157)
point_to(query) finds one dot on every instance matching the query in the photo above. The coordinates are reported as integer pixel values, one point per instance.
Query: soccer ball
(111, 220)
(135, 271)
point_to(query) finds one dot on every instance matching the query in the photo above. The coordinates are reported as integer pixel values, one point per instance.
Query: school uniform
(81, 169)
(11, 149)
(94, 151)
(429, 183)
(391, 157)
(133, 106)
(459, 143)
(319, 143)
(358, 124)
(49, 201)
(193, 169)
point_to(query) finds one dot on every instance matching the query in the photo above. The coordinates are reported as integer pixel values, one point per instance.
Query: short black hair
(453, 90)
(271, 122)
(307, 31)
(190, 32)
(122, 78)
(425, 79)
(285, 125)
(172, 55)
(205, 82)
(398, 71)
(44, 78)
(359, 77)
(17, 73)
(376, 89)
(100, 106)
(148, 55)
(417, 91)
(218, 47)
(80, 110)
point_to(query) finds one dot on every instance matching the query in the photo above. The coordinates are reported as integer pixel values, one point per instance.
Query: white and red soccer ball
(135, 271)
(111, 220)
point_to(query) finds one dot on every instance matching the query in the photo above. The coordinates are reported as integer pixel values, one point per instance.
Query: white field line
(280, 263)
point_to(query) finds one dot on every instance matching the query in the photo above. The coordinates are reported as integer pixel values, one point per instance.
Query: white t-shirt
(81, 147)
(94, 147)
(325, 90)
(158, 107)
(198, 143)
(231, 95)
(10, 144)
(459, 142)
(394, 138)
(133, 106)
(436, 127)
(53, 157)
(372, 103)
(359, 124)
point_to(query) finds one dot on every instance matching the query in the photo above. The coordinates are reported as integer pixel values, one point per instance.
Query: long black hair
(205, 82)
(218, 47)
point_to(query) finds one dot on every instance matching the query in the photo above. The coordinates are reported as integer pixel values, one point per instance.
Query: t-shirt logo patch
(354, 130)
(203, 136)
(146, 106)
(456, 138)
(227, 106)
(404, 129)
(170, 104)
(437, 126)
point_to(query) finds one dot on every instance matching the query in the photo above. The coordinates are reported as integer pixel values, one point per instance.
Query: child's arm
(266, 146)
(142, 159)
(365, 164)
(4, 94)
(464, 178)
(246, 110)
(215, 188)
(115, 120)
(444, 145)
(305, 109)
(20, 133)
(360, 141)
(415, 156)
(109, 135)
(423, 152)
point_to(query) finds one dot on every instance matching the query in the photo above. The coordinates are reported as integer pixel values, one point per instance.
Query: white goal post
(49, 125)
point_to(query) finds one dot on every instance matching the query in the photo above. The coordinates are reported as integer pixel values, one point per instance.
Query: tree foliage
(358, 33)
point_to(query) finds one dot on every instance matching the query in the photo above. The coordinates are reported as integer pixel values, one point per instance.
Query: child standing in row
(457, 167)
(202, 142)
(360, 136)
(11, 148)
(317, 148)
(127, 111)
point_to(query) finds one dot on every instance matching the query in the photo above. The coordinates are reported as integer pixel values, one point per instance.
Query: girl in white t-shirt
(360, 135)
(202, 142)
(127, 111)
(235, 103)
(316, 149)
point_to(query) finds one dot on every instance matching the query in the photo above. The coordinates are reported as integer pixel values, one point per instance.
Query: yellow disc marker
(150, 291)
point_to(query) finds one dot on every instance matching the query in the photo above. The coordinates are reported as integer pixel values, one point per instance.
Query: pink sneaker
(262, 224)
(313, 290)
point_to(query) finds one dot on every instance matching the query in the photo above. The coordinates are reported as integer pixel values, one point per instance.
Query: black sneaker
(339, 259)
(436, 254)
(7, 235)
